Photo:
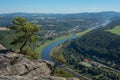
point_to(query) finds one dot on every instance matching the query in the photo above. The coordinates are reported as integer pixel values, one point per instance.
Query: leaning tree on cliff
(25, 32)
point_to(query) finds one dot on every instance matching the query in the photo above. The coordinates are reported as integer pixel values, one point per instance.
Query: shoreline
(41, 47)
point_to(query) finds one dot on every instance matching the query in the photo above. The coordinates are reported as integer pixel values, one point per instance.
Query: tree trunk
(23, 45)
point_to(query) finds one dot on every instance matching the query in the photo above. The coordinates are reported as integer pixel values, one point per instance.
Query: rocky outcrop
(15, 66)
(40, 78)
(2, 47)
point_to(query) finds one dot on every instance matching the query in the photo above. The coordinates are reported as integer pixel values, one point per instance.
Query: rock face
(2, 47)
(15, 66)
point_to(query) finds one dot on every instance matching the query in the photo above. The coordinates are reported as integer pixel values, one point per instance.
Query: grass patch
(83, 32)
(62, 73)
(86, 64)
(115, 30)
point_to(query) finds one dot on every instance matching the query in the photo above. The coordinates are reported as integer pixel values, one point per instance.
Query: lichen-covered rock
(14, 78)
(15, 66)
(39, 78)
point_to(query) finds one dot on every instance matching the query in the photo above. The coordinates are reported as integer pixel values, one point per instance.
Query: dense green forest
(6, 38)
(98, 45)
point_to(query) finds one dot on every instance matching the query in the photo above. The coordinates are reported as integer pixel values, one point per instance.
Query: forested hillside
(99, 45)
(6, 38)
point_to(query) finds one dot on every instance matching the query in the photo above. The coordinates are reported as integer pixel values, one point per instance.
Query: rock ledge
(15, 66)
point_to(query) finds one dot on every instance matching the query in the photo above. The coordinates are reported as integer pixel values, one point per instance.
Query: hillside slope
(99, 45)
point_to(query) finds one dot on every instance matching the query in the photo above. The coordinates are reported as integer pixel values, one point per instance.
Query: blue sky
(58, 6)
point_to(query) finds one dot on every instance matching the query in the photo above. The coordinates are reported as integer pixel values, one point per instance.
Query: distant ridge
(27, 13)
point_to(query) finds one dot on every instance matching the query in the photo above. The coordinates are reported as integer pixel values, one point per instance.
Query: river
(46, 51)
(45, 55)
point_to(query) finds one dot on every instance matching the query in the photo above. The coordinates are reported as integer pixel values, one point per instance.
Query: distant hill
(102, 45)
(107, 14)
(6, 19)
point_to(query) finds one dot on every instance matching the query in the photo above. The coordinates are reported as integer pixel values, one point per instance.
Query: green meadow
(115, 30)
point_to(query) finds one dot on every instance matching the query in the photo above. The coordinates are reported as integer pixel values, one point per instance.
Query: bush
(62, 73)
(30, 53)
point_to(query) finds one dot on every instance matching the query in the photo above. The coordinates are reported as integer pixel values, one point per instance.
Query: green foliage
(99, 43)
(30, 53)
(62, 73)
(6, 38)
(103, 45)
(25, 36)
(57, 55)
(25, 32)
(27, 51)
